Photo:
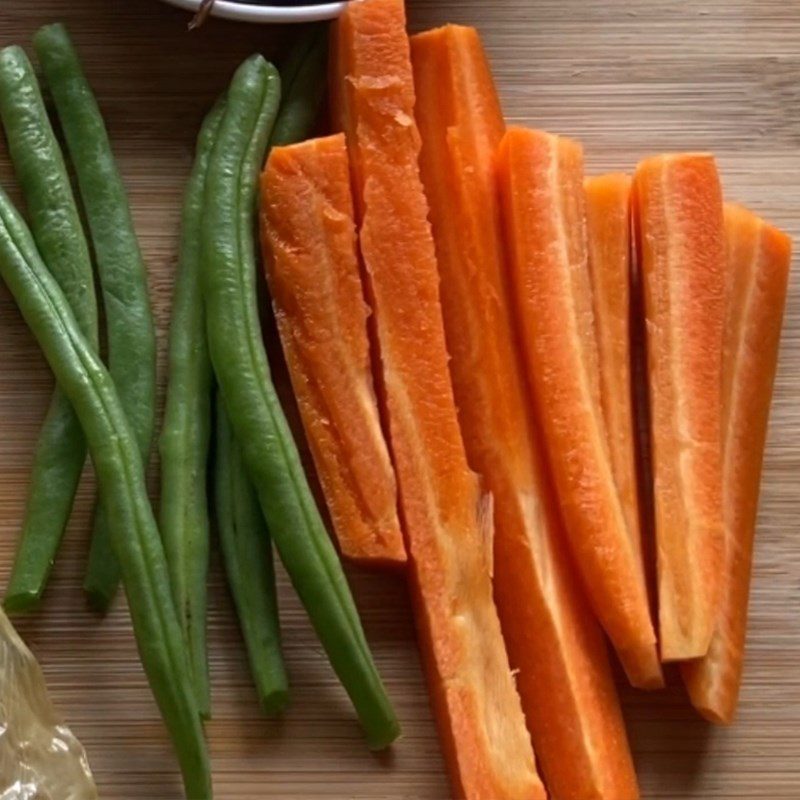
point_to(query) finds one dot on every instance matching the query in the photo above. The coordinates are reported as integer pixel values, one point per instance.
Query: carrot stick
(541, 181)
(758, 258)
(554, 643)
(447, 519)
(608, 225)
(681, 249)
(308, 236)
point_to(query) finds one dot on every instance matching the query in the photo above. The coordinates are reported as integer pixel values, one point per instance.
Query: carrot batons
(553, 641)
(309, 242)
(446, 519)
(758, 258)
(541, 182)
(608, 225)
(681, 250)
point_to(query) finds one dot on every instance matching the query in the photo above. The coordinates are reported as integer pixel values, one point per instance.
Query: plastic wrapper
(40, 758)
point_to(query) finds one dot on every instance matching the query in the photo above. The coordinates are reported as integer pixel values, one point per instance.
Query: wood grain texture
(628, 78)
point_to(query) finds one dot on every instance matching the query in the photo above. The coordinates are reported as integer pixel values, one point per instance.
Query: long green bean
(120, 472)
(242, 371)
(247, 554)
(123, 278)
(186, 431)
(61, 449)
(244, 538)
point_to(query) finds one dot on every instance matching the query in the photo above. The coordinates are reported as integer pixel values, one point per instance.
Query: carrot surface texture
(609, 240)
(681, 253)
(446, 517)
(541, 187)
(758, 259)
(308, 236)
(553, 640)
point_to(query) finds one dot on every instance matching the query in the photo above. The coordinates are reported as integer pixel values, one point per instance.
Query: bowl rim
(249, 12)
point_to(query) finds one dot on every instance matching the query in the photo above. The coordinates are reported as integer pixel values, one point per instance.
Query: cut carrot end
(486, 745)
(678, 212)
(643, 668)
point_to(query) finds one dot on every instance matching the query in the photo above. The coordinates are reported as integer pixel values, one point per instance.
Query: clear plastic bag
(40, 758)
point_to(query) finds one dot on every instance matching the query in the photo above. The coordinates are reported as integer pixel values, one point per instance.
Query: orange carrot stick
(758, 258)
(446, 519)
(553, 641)
(608, 225)
(541, 180)
(681, 248)
(309, 242)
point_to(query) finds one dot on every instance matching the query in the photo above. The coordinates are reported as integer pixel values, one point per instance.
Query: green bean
(186, 431)
(242, 371)
(303, 84)
(120, 473)
(247, 554)
(244, 538)
(123, 278)
(61, 449)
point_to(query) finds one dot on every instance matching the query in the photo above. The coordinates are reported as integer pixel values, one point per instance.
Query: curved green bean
(120, 472)
(303, 85)
(242, 370)
(247, 555)
(61, 449)
(186, 431)
(244, 538)
(123, 278)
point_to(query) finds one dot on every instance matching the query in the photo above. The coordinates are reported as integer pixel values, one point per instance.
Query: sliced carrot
(758, 258)
(447, 520)
(681, 250)
(308, 236)
(541, 181)
(641, 406)
(554, 643)
(608, 225)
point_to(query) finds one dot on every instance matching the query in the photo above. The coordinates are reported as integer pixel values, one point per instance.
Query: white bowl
(248, 12)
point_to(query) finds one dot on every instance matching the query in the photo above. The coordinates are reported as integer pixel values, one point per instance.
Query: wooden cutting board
(628, 78)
